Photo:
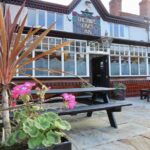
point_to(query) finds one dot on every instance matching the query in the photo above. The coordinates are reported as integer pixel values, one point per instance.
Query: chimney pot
(145, 8)
(115, 7)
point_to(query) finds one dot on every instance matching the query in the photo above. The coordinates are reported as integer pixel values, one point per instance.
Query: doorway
(100, 71)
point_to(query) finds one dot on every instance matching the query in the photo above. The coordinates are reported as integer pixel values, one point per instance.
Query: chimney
(115, 7)
(145, 8)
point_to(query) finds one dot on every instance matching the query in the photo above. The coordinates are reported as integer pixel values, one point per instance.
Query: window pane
(59, 21)
(50, 18)
(31, 17)
(69, 64)
(142, 66)
(24, 69)
(111, 29)
(114, 65)
(81, 64)
(125, 65)
(55, 64)
(122, 30)
(41, 63)
(41, 19)
(134, 66)
(116, 33)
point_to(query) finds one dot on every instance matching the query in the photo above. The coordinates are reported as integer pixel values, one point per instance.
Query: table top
(77, 90)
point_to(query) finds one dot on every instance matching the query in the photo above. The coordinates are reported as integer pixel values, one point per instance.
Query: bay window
(118, 30)
(45, 19)
(67, 61)
(134, 66)
(128, 60)
(31, 17)
(41, 18)
(115, 65)
(59, 21)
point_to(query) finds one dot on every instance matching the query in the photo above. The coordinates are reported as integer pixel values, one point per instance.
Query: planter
(120, 94)
(65, 145)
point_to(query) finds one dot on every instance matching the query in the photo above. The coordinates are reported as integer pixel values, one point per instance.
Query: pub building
(107, 48)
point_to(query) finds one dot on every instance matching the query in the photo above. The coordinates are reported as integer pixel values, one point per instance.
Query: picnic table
(92, 104)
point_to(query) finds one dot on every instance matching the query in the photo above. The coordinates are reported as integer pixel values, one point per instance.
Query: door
(100, 71)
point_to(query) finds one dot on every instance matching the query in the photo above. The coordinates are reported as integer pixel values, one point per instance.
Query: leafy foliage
(119, 90)
(119, 85)
(38, 130)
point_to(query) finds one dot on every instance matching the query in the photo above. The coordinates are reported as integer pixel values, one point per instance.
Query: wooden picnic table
(92, 104)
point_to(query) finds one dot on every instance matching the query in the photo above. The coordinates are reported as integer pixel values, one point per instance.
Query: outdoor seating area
(92, 104)
(94, 133)
(74, 76)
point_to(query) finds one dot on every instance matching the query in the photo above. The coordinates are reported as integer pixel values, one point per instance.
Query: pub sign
(86, 23)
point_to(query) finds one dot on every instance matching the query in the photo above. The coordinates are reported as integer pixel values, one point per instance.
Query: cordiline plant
(14, 55)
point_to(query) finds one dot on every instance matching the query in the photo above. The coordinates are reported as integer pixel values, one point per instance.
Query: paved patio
(95, 133)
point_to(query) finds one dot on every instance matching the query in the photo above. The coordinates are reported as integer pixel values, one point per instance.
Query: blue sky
(131, 6)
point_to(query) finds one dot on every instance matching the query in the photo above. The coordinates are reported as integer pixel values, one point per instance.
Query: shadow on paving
(95, 133)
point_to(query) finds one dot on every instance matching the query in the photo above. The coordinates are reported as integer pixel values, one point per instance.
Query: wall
(133, 84)
(132, 33)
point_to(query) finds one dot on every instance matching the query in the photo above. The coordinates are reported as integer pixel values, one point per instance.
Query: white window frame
(143, 49)
(62, 64)
(45, 15)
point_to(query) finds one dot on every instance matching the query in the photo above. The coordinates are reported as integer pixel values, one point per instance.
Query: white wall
(132, 33)
(68, 25)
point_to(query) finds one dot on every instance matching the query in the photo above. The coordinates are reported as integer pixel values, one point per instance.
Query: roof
(68, 9)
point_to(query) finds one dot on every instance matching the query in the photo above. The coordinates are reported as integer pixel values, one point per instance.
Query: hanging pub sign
(86, 23)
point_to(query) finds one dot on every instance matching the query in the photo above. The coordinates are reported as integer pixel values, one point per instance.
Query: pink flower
(69, 100)
(29, 84)
(66, 96)
(72, 104)
(22, 89)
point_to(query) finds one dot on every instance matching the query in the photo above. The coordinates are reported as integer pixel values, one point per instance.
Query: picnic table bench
(91, 104)
(144, 93)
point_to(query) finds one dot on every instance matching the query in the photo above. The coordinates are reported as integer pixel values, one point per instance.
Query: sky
(131, 6)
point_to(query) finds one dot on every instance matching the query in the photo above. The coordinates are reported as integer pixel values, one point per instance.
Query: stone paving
(95, 133)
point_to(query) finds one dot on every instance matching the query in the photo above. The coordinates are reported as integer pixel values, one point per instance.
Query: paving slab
(95, 133)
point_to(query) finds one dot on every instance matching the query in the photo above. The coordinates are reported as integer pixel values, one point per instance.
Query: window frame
(37, 11)
(62, 61)
(136, 53)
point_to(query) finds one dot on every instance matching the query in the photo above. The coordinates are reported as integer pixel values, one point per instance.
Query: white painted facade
(130, 32)
(119, 54)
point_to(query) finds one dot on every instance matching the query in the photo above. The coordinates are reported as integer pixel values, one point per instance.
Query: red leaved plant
(14, 55)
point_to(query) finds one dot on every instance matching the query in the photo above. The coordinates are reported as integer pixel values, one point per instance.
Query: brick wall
(115, 7)
(145, 8)
(133, 85)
